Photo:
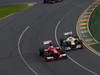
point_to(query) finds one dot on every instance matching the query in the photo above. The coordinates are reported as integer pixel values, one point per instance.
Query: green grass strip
(6, 10)
(95, 27)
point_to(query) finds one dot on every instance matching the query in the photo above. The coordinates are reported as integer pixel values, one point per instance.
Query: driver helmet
(52, 46)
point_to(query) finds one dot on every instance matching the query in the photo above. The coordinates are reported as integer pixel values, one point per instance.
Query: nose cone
(73, 43)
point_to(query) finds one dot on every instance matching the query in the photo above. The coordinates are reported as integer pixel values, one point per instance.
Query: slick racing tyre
(45, 1)
(41, 52)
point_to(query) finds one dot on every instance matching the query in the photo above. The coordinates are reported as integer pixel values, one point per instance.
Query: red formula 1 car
(50, 52)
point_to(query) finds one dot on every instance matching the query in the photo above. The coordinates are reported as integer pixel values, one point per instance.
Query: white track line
(19, 52)
(83, 67)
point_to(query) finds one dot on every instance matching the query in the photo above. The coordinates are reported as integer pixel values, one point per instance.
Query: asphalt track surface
(42, 21)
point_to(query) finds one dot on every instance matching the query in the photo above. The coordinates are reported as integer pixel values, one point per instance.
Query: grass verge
(6, 10)
(95, 27)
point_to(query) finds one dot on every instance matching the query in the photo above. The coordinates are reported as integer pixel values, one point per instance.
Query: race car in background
(52, 1)
(50, 52)
(70, 42)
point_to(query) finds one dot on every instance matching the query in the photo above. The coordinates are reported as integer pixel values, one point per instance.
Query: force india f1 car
(52, 1)
(50, 52)
(70, 42)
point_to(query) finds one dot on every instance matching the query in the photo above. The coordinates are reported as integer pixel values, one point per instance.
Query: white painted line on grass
(20, 53)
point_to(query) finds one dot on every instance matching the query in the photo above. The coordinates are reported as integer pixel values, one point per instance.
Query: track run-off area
(23, 32)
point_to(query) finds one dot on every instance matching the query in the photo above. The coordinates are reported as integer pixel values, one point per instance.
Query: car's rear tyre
(62, 42)
(41, 52)
(45, 1)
